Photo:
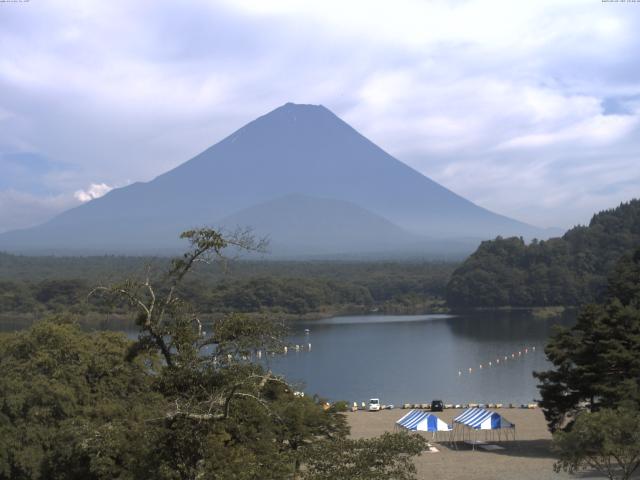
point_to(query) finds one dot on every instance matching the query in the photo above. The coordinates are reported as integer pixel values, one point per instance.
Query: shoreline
(433, 307)
(93, 319)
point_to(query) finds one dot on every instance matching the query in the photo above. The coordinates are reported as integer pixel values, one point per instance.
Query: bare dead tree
(166, 321)
(171, 326)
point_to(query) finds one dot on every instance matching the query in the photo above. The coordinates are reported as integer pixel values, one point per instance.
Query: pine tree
(597, 361)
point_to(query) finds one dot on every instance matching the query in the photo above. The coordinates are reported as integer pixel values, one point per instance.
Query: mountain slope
(570, 270)
(294, 149)
(300, 224)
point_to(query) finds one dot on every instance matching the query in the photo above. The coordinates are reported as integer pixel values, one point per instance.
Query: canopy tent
(417, 420)
(473, 421)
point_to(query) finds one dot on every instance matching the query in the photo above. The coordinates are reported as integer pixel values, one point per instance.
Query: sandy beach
(528, 458)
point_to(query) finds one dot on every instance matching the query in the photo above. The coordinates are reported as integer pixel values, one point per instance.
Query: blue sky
(529, 108)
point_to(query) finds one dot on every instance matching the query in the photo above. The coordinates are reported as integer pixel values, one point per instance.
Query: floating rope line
(504, 359)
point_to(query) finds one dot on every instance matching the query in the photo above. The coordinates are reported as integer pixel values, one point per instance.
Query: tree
(591, 398)
(66, 394)
(607, 441)
(597, 361)
(570, 270)
(384, 458)
(183, 401)
(229, 417)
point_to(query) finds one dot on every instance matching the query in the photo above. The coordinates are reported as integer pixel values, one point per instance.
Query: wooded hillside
(570, 270)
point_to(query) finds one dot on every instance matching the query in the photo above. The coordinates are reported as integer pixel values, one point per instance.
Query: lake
(414, 359)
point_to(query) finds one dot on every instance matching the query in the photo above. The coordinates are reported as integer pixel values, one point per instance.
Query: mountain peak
(301, 110)
(301, 106)
(292, 122)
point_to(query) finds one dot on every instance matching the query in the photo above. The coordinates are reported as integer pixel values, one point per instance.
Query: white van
(374, 404)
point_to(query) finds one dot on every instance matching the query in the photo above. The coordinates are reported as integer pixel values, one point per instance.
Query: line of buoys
(297, 348)
(514, 355)
(258, 354)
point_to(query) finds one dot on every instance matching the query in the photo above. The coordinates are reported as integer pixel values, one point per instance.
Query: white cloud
(19, 209)
(95, 190)
(477, 94)
(597, 130)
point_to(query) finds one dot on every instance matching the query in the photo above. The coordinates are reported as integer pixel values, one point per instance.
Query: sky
(529, 108)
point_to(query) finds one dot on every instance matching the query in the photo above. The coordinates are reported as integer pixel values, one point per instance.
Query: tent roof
(411, 419)
(416, 419)
(481, 418)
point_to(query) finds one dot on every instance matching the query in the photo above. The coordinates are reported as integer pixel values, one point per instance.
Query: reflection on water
(414, 358)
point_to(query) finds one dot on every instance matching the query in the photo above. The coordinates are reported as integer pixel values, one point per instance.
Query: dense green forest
(570, 270)
(178, 403)
(37, 285)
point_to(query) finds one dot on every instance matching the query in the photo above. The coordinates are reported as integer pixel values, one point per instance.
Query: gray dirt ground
(529, 458)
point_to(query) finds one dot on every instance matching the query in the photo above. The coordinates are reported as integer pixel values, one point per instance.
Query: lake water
(414, 359)
(417, 358)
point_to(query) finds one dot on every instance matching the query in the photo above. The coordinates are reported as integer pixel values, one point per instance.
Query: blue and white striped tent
(481, 419)
(423, 421)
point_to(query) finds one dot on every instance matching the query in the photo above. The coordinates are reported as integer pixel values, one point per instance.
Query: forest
(176, 403)
(571, 270)
(506, 272)
(46, 285)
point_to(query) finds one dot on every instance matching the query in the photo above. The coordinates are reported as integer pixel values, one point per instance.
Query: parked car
(374, 404)
(437, 406)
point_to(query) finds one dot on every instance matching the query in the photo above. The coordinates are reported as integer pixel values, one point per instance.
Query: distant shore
(124, 321)
(121, 321)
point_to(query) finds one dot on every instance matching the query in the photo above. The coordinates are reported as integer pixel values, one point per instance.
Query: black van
(437, 406)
